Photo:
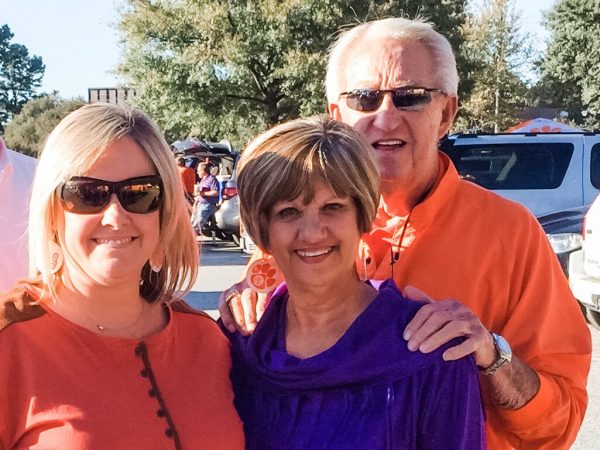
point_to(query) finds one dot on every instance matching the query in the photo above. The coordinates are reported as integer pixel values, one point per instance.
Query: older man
(16, 175)
(486, 258)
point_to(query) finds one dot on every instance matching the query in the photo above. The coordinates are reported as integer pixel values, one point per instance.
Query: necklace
(104, 328)
(395, 255)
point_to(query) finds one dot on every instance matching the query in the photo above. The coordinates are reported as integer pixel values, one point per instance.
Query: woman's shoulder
(195, 321)
(393, 305)
(386, 323)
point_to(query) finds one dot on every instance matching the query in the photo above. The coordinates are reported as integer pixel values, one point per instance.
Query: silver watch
(504, 354)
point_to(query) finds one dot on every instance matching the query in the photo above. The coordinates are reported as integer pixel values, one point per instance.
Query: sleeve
(452, 409)
(546, 330)
(214, 184)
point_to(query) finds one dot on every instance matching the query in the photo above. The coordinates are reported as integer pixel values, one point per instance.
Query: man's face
(405, 141)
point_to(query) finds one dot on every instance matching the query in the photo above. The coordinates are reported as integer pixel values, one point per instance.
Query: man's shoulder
(490, 205)
(21, 158)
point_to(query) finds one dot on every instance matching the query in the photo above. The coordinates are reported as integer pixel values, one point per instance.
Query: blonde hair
(286, 162)
(396, 29)
(70, 150)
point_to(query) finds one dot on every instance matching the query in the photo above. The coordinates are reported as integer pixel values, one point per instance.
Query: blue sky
(78, 41)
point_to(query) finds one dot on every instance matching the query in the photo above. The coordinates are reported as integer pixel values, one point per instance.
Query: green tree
(20, 75)
(499, 52)
(232, 68)
(27, 131)
(571, 69)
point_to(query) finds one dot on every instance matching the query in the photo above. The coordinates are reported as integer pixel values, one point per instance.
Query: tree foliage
(571, 68)
(499, 52)
(20, 75)
(27, 131)
(221, 68)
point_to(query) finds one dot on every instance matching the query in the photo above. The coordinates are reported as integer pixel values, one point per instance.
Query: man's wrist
(503, 355)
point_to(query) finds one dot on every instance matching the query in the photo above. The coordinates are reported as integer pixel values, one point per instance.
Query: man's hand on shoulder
(241, 308)
(510, 387)
(438, 322)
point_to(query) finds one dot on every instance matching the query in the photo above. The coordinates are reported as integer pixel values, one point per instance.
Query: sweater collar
(371, 351)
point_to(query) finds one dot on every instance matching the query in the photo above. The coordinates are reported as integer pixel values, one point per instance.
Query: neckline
(74, 327)
(280, 344)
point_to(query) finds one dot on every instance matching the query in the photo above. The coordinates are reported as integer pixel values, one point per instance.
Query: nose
(387, 118)
(114, 214)
(312, 228)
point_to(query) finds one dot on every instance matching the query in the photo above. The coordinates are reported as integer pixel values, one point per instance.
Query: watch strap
(504, 356)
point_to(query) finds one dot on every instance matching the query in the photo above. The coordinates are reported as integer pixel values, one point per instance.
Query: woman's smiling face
(315, 243)
(112, 245)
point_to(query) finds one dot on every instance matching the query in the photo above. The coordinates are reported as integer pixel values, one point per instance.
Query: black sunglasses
(139, 195)
(407, 98)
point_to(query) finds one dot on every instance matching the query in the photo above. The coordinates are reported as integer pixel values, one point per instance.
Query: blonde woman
(108, 357)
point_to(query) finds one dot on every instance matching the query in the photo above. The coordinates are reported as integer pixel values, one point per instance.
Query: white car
(584, 266)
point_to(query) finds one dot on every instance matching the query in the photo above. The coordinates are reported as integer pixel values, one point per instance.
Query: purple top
(208, 183)
(367, 391)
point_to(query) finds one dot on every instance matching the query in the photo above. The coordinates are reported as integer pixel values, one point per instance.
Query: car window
(513, 166)
(595, 166)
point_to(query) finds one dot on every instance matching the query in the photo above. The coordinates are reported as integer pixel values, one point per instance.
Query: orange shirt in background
(188, 179)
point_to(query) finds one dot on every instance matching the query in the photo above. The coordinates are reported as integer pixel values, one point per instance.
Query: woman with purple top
(327, 367)
(207, 196)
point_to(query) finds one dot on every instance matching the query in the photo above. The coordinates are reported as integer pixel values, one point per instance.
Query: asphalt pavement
(221, 265)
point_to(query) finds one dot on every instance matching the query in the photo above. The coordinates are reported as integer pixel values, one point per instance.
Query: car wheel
(593, 317)
(220, 235)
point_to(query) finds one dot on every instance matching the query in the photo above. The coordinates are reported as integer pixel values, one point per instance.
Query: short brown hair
(286, 162)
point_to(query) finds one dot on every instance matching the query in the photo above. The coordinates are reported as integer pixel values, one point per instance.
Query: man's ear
(448, 115)
(334, 112)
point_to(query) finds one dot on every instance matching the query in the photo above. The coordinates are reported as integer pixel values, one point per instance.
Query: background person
(327, 366)
(16, 175)
(107, 359)
(207, 196)
(188, 178)
(395, 81)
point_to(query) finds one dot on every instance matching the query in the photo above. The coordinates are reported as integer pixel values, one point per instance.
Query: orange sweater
(467, 243)
(62, 386)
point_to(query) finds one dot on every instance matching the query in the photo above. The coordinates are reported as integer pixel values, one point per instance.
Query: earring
(56, 257)
(156, 267)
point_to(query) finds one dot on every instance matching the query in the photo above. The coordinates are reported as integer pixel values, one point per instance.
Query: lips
(388, 144)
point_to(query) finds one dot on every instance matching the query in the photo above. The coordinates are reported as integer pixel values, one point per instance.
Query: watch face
(503, 347)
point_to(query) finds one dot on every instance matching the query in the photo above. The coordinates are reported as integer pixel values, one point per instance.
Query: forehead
(121, 159)
(386, 64)
(309, 189)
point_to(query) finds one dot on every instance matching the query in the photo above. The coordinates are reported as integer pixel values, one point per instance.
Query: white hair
(395, 29)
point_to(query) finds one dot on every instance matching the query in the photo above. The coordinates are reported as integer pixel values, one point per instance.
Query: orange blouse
(63, 386)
